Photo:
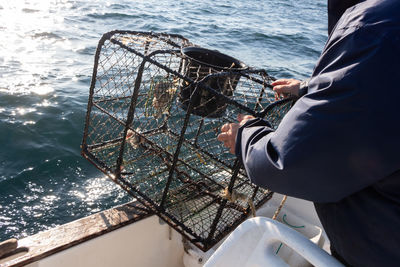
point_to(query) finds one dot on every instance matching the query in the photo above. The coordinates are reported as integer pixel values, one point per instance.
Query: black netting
(156, 106)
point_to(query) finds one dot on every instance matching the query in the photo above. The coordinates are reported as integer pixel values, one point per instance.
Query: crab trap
(157, 103)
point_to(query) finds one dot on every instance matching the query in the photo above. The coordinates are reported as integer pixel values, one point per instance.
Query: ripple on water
(47, 35)
(113, 16)
(30, 10)
(89, 50)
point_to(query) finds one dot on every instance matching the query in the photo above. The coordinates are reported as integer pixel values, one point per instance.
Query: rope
(276, 215)
(279, 208)
(235, 195)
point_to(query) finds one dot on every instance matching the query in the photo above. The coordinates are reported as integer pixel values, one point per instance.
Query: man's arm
(343, 135)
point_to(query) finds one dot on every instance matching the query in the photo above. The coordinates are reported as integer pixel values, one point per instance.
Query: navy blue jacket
(339, 146)
(336, 8)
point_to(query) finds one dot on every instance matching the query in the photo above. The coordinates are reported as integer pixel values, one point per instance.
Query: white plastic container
(261, 241)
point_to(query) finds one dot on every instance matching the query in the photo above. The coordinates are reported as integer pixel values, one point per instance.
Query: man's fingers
(242, 117)
(230, 146)
(228, 133)
(280, 88)
(223, 137)
(280, 81)
(225, 127)
(227, 144)
(248, 117)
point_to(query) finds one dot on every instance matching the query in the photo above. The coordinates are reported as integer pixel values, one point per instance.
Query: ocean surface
(46, 58)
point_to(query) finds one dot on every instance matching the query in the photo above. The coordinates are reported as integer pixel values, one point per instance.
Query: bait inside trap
(157, 103)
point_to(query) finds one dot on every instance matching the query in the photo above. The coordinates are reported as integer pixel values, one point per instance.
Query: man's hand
(283, 87)
(229, 132)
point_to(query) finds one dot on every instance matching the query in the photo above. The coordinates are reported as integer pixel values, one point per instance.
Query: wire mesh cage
(156, 105)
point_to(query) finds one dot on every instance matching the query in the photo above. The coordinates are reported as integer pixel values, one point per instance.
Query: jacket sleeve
(343, 135)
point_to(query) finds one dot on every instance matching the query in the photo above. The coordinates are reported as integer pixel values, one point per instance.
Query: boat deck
(44, 244)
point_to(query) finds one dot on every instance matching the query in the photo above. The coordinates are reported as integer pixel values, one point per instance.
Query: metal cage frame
(178, 186)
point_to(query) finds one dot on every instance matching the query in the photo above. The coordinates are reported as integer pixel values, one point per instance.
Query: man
(339, 144)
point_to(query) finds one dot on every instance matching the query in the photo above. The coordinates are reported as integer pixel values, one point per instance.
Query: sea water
(46, 58)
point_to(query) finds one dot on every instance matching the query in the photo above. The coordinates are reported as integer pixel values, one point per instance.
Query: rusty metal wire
(153, 117)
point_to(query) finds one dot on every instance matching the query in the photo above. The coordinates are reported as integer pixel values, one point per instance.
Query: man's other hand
(229, 132)
(285, 87)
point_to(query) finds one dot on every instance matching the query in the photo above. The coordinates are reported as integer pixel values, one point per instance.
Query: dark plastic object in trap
(199, 63)
(166, 156)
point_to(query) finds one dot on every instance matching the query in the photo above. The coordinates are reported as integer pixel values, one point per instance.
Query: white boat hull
(117, 238)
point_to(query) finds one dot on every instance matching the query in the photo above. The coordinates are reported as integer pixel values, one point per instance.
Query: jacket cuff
(303, 87)
(249, 123)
